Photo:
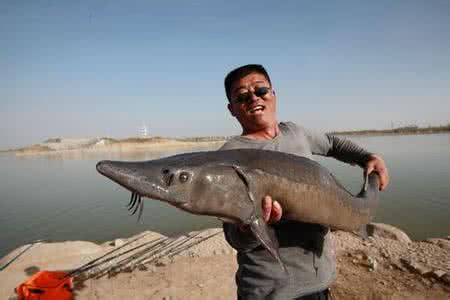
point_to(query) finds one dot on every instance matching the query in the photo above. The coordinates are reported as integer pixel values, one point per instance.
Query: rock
(397, 265)
(387, 231)
(372, 263)
(142, 267)
(443, 243)
(163, 262)
(127, 269)
(416, 267)
(446, 278)
(438, 274)
(358, 256)
(118, 242)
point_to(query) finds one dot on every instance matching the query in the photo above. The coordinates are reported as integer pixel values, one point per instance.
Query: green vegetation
(412, 129)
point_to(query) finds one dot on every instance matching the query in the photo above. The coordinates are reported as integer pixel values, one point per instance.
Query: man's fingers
(267, 207)
(377, 164)
(384, 178)
(369, 169)
(271, 210)
(276, 213)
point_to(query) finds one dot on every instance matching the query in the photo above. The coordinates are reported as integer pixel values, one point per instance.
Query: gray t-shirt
(306, 249)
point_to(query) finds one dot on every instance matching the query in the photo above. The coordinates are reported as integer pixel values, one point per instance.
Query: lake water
(58, 197)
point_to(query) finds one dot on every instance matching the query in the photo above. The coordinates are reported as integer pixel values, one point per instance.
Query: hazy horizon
(97, 68)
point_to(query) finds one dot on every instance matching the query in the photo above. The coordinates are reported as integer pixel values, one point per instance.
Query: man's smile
(256, 109)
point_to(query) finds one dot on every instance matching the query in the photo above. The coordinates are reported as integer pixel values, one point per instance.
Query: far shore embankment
(106, 144)
(72, 147)
(201, 265)
(406, 130)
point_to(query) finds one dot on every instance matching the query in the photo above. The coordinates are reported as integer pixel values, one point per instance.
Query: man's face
(253, 110)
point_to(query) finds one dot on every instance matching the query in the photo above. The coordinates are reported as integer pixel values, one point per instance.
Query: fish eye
(184, 176)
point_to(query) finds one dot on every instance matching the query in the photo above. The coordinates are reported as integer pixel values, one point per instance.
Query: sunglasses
(245, 97)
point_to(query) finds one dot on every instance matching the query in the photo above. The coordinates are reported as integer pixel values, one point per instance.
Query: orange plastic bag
(46, 285)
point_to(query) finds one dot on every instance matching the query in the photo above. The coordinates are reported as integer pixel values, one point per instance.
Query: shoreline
(105, 144)
(202, 265)
(68, 149)
(376, 133)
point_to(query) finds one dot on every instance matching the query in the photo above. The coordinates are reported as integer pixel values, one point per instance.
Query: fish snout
(103, 166)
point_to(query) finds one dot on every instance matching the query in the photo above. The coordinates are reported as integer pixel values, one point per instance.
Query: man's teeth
(256, 108)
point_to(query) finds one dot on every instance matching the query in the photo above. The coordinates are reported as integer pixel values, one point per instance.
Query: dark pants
(323, 295)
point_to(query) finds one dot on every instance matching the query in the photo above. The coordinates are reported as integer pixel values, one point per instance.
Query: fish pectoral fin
(245, 176)
(263, 232)
(266, 235)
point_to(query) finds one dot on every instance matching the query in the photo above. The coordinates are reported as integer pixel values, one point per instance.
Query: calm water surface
(63, 197)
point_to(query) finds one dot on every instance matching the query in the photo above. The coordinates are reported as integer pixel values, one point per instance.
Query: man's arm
(349, 152)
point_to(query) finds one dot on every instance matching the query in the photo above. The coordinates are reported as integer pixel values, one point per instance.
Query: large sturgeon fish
(231, 184)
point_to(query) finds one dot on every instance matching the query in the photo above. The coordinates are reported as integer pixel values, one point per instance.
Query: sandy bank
(201, 265)
(74, 147)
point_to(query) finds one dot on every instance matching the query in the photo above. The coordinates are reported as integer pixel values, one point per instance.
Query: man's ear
(273, 92)
(230, 109)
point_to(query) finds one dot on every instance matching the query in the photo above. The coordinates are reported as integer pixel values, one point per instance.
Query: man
(306, 249)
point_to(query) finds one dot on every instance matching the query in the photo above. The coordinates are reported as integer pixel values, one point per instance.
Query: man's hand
(376, 163)
(272, 210)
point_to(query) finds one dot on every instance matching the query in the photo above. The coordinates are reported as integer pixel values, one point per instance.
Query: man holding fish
(305, 248)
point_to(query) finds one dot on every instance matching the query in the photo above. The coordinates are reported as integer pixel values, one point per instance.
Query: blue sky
(104, 68)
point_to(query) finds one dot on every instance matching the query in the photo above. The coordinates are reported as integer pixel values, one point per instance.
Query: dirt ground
(388, 266)
(383, 268)
(201, 265)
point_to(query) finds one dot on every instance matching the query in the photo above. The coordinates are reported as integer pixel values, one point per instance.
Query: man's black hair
(240, 72)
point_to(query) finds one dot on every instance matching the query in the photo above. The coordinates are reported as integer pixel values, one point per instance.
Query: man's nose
(252, 97)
